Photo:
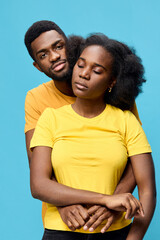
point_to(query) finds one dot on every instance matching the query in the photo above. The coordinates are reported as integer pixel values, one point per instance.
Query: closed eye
(80, 66)
(96, 72)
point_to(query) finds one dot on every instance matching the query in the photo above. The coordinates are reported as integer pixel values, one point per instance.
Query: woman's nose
(85, 73)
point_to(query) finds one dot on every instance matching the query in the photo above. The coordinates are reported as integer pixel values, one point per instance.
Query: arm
(28, 137)
(127, 182)
(43, 188)
(145, 177)
(73, 216)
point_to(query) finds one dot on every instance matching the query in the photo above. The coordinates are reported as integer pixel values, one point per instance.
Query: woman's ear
(113, 83)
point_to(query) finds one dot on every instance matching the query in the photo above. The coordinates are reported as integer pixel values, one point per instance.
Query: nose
(54, 56)
(84, 73)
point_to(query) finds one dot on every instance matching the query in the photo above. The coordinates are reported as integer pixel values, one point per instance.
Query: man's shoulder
(44, 87)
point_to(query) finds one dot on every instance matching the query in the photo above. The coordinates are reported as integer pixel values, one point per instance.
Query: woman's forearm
(140, 224)
(143, 168)
(43, 188)
(60, 195)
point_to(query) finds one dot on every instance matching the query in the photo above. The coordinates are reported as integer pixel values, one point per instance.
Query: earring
(109, 89)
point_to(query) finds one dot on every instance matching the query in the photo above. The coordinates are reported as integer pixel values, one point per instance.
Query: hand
(125, 202)
(97, 215)
(74, 216)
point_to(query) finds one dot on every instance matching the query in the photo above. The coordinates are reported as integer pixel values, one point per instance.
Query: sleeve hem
(140, 151)
(42, 144)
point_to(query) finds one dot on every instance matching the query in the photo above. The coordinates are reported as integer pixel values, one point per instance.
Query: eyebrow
(96, 64)
(53, 45)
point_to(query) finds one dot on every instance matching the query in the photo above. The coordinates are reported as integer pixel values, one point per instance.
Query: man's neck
(64, 87)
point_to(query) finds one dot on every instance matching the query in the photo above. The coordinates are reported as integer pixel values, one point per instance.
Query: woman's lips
(81, 86)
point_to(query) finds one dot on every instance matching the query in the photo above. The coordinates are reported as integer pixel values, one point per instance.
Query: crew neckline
(85, 118)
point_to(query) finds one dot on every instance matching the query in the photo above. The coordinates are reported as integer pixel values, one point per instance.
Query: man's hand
(97, 215)
(74, 216)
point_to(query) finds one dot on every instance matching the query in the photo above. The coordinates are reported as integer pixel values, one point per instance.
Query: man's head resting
(47, 45)
(37, 29)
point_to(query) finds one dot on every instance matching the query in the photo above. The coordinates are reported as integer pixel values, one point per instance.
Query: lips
(81, 86)
(58, 65)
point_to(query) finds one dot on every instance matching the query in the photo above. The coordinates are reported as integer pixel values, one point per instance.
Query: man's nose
(85, 73)
(54, 56)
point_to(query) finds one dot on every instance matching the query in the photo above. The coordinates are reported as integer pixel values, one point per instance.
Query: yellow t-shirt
(89, 154)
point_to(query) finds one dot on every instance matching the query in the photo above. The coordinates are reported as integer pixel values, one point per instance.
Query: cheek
(75, 73)
(63, 54)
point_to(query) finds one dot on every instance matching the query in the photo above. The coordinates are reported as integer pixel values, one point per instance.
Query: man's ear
(35, 64)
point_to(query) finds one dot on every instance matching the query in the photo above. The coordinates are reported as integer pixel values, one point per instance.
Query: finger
(94, 218)
(70, 225)
(133, 208)
(99, 222)
(108, 224)
(136, 207)
(74, 222)
(140, 210)
(128, 207)
(83, 213)
(93, 209)
(76, 217)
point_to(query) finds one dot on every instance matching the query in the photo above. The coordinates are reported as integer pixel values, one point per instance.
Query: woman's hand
(98, 214)
(124, 202)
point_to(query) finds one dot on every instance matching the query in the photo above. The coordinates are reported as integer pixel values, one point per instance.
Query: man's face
(49, 50)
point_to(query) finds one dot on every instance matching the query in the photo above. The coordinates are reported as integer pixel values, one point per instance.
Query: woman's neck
(89, 108)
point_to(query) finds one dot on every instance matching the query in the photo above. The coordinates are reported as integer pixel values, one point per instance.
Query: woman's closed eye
(80, 65)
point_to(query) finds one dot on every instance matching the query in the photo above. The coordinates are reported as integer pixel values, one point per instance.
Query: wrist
(104, 200)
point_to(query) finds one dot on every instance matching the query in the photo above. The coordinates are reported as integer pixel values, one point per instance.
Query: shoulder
(117, 112)
(41, 88)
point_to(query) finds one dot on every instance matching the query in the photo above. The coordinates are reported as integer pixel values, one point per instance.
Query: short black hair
(36, 29)
(127, 69)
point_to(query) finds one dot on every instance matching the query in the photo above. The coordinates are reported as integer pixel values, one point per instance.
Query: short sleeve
(44, 131)
(32, 113)
(136, 140)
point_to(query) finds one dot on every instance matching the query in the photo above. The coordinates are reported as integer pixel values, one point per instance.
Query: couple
(87, 142)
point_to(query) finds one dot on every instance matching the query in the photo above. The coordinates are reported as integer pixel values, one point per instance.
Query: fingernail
(91, 229)
(102, 231)
(85, 227)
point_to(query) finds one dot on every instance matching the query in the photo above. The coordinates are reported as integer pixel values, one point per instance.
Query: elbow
(35, 190)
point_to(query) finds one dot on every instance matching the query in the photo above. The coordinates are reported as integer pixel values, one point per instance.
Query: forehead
(45, 40)
(97, 54)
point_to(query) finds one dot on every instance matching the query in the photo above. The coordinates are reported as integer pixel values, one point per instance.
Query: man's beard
(66, 76)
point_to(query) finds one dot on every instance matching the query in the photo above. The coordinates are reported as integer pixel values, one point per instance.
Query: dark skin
(49, 49)
(96, 80)
(76, 216)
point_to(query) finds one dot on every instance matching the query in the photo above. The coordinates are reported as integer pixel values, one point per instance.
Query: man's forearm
(127, 182)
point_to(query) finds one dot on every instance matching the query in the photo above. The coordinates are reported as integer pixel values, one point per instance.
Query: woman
(87, 145)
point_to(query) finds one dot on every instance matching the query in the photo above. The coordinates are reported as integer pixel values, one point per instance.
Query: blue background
(133, 22)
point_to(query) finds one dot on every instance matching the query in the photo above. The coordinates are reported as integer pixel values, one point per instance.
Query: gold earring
(110, 89)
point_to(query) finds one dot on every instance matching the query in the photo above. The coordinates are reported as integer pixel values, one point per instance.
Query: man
(48, 46)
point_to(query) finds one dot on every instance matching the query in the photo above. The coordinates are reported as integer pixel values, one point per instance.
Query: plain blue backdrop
(135, 22)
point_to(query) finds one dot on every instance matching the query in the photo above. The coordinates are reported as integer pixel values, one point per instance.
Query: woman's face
(92, 73)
